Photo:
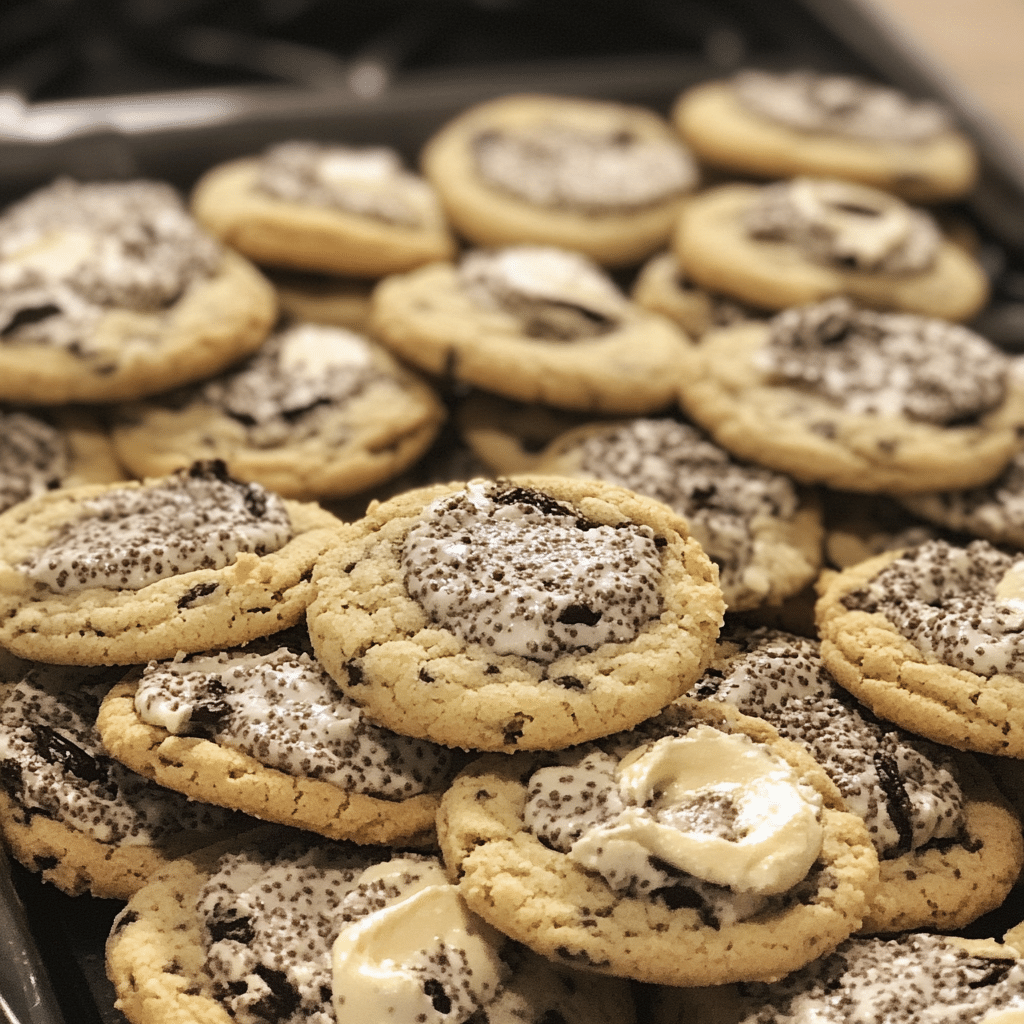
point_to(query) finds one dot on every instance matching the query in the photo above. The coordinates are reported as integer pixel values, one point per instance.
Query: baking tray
(51, 966)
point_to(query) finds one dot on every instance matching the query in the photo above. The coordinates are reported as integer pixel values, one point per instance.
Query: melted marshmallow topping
(52, 761)
(964, 606)
(719, 498)
(839, 105)
(130, 537)
(841, 224)
(523, 574)
(366, 182)
(904, 788)
(936, 981)
(282, 709)
(70, 251)
(886, 364)
(557, 294)
(33, 458)
(561, 167)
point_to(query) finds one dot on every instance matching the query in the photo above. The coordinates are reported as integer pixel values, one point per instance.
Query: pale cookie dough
(816, 238)
(764, 536)
(859, 400)
(281, 930)
(71, 812)
(331, 209)
(262, 729)
(801, 122)
(317, 412)
(532, 324)
(612, 905)
(930, 639)
(132, 594)
(110, 291)
(525, 614)
(603, 178)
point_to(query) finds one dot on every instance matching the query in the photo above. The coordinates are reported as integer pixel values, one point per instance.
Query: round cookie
(602, 178)
(801, 122)
(176, 567)
(112, 292)
(282, 930)
(534, 325)
(523, 614)
(317, 412)
(815, 243)
(331, 209)
(856, 399)
(891, 630)
(262, 729)
(580, 907)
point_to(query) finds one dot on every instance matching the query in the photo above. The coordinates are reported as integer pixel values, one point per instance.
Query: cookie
(532, 324)
(776, 125)
(594, 857)
(72, 813)
(764, 536)
(110, 291)
(602, 178)
(523, 614)
(858, 400)
(290, 932)
(317, 412)
(806, 239)
(263, 729)
(323, 298)
(949, 847)
(929, 638)
(120, 574)
(326, 208)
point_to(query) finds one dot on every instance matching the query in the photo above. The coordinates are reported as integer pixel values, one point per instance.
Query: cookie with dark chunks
(528, 613)
(594, 857)
(120, 574)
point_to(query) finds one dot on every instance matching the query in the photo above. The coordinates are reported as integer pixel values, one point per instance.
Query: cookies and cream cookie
(317, 412)
(534, 324)
(122, 573)
(110, 291)
(857, 399)
(603, 178)
(764, 536)
(806, 239)
(697, 849)
(775, 125)
(282, 930)
(71, 812)
(949, 848)
(328, 208)
(930, 638)
(519, 614)
(264, 729)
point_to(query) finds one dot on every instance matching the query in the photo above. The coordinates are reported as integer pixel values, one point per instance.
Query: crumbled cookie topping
(52, 761)
(367, 182)
(557, 166)
(963, 606)
(558, 295)
(905, 788)
(841, 224)
(521, 573)
(33, 457)
(127, 538)
(886, 364)
(719, 498)
(71, 251)
(935, 979)
(840, 105)
(282, 709)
